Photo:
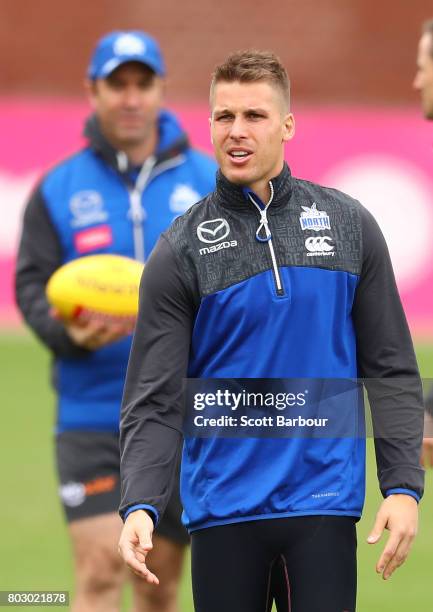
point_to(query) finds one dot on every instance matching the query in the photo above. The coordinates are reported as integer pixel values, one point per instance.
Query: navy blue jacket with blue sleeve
(313, 297)
(95, 202)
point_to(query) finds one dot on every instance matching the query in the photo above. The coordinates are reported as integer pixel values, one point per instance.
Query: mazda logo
(213, 231)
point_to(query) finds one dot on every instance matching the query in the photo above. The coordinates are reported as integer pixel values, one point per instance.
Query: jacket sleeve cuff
(403, 492)
(405, 478)
(151, 509)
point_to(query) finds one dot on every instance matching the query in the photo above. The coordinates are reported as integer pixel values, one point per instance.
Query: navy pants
(304, 564)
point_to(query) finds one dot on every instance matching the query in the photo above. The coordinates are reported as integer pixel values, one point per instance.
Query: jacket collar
(234, 197)
(172, 142)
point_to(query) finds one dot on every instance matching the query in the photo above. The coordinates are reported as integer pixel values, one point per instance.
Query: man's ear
(90, 89)
(210, 129)
(288, 127)
(162, 86)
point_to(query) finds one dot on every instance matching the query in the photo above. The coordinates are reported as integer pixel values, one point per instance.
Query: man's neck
(138, 153)
(262, 190)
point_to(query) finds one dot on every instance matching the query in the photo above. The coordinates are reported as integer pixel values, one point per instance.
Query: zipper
(277, 277)
(137, 212)
(167, 165)
(264, 224)
(137, 217)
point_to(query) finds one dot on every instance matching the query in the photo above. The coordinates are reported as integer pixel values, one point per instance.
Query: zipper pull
(263, 225)
(136, 211)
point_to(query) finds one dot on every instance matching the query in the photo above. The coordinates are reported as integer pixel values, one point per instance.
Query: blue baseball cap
(117, 48)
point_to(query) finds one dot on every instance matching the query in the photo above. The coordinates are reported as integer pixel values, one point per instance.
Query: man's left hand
(398, 514)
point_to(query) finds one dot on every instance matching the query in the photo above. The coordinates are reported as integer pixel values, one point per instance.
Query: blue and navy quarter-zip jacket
(95, 202)
(300, 287)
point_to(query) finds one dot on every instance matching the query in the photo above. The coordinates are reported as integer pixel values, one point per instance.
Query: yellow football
(104, 285)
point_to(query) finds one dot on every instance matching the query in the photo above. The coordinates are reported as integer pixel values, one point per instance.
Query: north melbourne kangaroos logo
(87, 208)
(313, 219)
(182, 198)
(129, 44)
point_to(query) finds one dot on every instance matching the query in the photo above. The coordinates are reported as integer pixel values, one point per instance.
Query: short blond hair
(251, 66)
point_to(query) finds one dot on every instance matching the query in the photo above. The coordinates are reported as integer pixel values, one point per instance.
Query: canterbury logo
(319, 244)
(213, 231)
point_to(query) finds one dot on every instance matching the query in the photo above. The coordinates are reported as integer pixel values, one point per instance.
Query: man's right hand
(135, 542)
(92, 333)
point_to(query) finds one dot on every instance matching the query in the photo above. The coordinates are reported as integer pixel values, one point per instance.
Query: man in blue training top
(269, 277)
(136, 174)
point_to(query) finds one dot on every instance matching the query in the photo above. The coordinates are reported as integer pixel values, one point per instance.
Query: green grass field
(34, 544)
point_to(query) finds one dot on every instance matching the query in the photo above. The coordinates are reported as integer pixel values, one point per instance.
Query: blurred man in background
(116, 195)
(423, 83)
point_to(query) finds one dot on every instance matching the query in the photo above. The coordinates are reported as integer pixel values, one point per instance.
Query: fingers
(55, 314)
(94, 333)
(394, 555)
(135, 542)
(105, 334)
(399, 514)
(135, 560)
(149, 576)
(111, 333)
(144, 539)
(124, 323)
(85, 334)
(379, 526)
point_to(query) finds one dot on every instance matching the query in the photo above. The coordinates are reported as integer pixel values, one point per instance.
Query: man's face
(249, 125)
(423, 81)
(127, 103)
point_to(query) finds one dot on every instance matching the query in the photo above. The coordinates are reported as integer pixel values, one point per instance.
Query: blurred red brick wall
(358, 51)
